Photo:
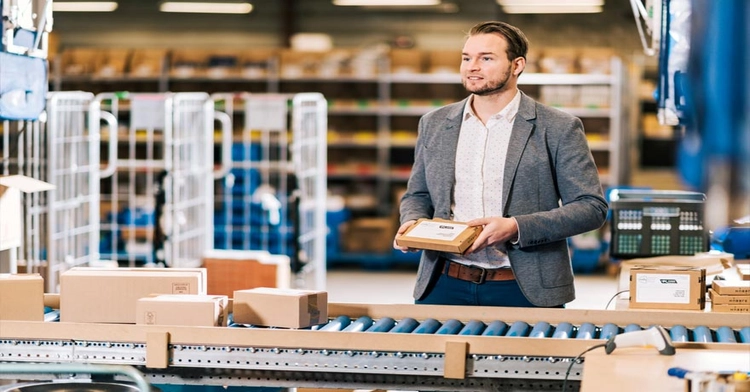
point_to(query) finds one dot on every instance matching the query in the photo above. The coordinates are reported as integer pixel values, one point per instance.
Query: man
(520, 169)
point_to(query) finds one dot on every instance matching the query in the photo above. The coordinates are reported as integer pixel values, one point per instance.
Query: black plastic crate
(657, 223)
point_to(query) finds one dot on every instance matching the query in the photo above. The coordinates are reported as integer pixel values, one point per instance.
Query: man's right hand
(401, 230)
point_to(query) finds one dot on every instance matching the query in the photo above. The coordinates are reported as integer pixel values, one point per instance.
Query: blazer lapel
(522, 128)
(448, 142)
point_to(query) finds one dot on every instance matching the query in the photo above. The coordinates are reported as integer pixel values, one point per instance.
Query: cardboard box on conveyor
(21, 297)
(183, 309)
(439, 234)
(110, 295)
(285, 308)
(665, 287)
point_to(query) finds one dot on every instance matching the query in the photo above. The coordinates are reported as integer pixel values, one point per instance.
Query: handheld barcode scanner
(655, 336)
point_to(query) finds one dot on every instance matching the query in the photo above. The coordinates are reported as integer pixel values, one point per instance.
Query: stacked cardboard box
(730, 296)
(110, 295)
(663, 287)
(183, 309)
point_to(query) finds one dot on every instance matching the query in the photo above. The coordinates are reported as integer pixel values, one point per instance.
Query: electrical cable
(615, 296)
(573, 361)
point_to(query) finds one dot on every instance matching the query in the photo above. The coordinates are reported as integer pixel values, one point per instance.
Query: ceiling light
(386, 3)
(84, 6)
(551, 6)
(206, 8)
(551, 3)
(559, 9)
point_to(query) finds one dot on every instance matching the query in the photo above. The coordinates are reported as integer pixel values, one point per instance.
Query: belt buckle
(482, 276)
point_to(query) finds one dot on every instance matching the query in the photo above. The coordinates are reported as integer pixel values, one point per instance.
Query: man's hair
(518, 44)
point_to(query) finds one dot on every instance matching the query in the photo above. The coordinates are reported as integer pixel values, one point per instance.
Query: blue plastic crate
(246, 152)
(137, 216)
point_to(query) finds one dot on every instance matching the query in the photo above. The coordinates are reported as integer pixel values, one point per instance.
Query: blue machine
(704, 54)
(23, 65)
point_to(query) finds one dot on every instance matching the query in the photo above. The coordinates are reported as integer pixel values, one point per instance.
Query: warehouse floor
(593, 291)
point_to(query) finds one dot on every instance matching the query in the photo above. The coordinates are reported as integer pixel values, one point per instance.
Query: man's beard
(493, 87)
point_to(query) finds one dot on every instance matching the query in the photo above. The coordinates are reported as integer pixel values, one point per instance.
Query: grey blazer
(551, 186)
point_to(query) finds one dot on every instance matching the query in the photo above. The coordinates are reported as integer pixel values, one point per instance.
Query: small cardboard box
(718, 299)
(731, 308)
(287, 308)
(21, 297)
(10, 206)
(723, 287)
(667, 288)
(439, 234)
(183, 309)
(231, 270)
(109, 295)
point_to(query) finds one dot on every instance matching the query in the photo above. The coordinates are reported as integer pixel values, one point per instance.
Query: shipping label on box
(439, 234)
(287, 308)
(723, 287)
(667, 288)
(21, 297)
(183, 309)
(718, 299)
(109, 295)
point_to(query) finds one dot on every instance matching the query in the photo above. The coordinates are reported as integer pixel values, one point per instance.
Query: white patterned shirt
(480, 164)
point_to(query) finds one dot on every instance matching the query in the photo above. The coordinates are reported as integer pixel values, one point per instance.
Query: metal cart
(274, 196)
(61, 227)
(157, 206)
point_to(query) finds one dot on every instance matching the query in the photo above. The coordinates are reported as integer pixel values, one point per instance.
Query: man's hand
(401, 230)
(496, 230)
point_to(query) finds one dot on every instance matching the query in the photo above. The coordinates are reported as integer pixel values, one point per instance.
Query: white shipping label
(662, 288)
(444, 231)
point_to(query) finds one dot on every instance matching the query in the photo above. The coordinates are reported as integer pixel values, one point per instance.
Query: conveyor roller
(541, 330)
(678, 333)
(450, 327)
(428, 326)
(702, 334)
(609, 330)
(495, 328)
(406, 325)
(518, 328)
(473, 327)
(359, 325)
(564, 330)
(586, 331)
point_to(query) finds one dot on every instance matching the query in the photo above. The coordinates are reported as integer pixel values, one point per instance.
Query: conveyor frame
(290, 358)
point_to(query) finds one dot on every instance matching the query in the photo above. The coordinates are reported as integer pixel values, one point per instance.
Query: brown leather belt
(475, 274)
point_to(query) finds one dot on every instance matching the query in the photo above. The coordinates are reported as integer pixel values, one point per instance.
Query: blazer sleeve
(567, 198)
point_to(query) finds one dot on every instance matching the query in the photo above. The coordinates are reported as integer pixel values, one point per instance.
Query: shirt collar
(508, 112)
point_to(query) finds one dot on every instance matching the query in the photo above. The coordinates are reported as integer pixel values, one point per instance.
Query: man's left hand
(496, 230)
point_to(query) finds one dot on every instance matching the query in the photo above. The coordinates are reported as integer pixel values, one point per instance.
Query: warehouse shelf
(373, 119)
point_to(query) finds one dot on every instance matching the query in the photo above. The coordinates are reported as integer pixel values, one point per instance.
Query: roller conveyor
(369, 346)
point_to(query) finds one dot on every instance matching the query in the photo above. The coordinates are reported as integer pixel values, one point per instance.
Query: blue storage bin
(246, 152)
(138, 217)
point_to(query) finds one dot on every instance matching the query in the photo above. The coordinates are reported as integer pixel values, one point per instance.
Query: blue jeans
(452, 291)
